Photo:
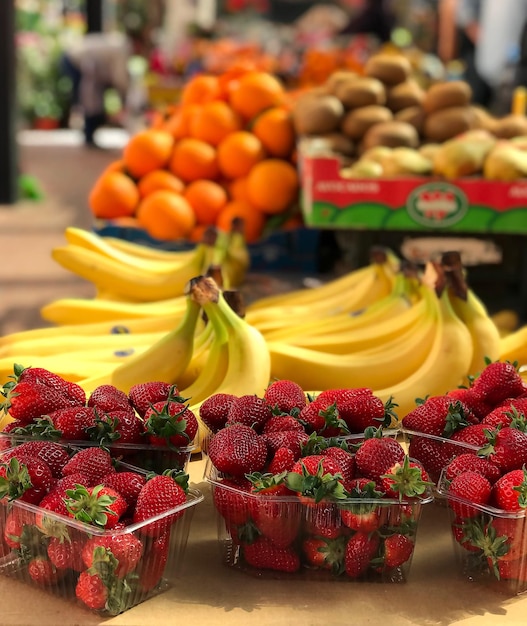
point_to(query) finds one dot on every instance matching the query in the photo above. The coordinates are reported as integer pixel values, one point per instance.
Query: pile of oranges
(225, 150)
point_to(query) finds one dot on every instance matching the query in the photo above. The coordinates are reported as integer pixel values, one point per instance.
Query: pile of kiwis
(387, 106)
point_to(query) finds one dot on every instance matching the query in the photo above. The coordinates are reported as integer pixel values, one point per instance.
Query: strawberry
(359, 408)
(278, 423)
(458, 527)
(170, 423)
(324, 520)
(506, 448)
(13, 528)
(507, 414)
(403, 480)
(121, 550)
(291, 439)
(438, 415)
(314, 478)
(360, 550)
(345, 460)
(325, 553)
(99, 505)
(108, 398)
(231, 501)
(43, 376)
(509, 531)
(250, 410)
(123, 426)
(282, 461)
(28, 400)
(376, 454)
(473, 435)
(91, 590)
(510, 570)
(94, 462)
(73, 422)
(263, 554)
(151, 567)
(26, 478)
(363, 513)
(498, 381)
(469, 486)
(285, 396)
(478, 406)
(127, 483)
(160, 494)
(509, 492)
(215, 410)
(143, 395)
(66, 554)
(398, 549)
(322, 417)
(42, 571)
(238, 450)
(53, 454)
(434, 454)
(470, 461)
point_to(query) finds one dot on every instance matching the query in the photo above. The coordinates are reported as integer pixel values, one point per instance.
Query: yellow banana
(148, 252)
(513, 347)
(60, 364)
(341, 285)
(200, 356)
(237, 258)
(135, 284)
(92, 241)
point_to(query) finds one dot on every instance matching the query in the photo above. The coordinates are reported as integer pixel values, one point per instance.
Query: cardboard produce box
(416, 203)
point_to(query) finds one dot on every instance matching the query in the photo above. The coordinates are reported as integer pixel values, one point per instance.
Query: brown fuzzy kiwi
(447, 123)
(390, 69)
(391, 134)
(360, 92)
(512, 125)
(405, 95)
(317, 114)
(357, 121)
(414, 116)
(455, 93)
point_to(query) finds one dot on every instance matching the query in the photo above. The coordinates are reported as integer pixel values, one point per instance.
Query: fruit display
(75, 524)
(224, 150)
(321, 510)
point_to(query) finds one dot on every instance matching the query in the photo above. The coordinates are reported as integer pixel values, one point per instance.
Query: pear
(463, 155)
(377, 153)
(363, 168)
(505, 162)
(406, 161)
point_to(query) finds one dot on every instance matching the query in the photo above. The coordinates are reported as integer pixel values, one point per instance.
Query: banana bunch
(513, 347)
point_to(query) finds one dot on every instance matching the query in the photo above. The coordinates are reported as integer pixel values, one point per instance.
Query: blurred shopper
(95, 63)
(376, 18)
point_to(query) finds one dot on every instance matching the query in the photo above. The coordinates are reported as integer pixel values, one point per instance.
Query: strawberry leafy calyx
(484, 537)
(390, 415)
(179, 476)
(406, 480)
(266, 483)
(16, 480)
(522, 490)
(163, 423)
(318, 485)
(42, 428)
(104, 565)
(316, 444)
(104, 430)
(89, 505)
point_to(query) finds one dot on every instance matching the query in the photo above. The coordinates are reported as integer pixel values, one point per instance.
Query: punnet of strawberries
(294, 503)
(152, 425)
(487, 419)
(82, 525)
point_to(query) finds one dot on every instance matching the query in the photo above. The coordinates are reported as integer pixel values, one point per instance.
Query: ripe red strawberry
(282, 461)
(43, 376)
(73, 422)
(26, 478)
(376, 455)
(42, 571)
(470, 461)
(238, 450)
(322, 417)
(459, 528)
(122, 551)
(150, 568)
(108, 398)
(434, 454)
(143, 395)
(99, 506)
(116, 427)
(509, 492)
(250, 410)
(497, 382)
(66, 553)
(403, 480)
(478, 406)
(510, 570)
(26, 401)
(215, 410)
(279, 423)
(13, 528)
(398, 549)
(285, 396)
(324, 520)
(360, 550)
(345, 460)
(231, 501)
(263, 554)
(91, 590)
(94, 462)
(53, 454)
(161, 494)
(127, 483)
(360, 408)
(438, 415)
(469, 486)
(507, 448)
(170, 423)
(362, 512)
(325, 553)
(291, 439)
(474, 435)
(315, 477)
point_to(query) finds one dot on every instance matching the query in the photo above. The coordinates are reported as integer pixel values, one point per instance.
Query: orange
(178, 123)
(274, 128)
(201, 88)
(114, 194)
(254, 92)
(193, 159)
(166, 215)
(253, 219)
(213, 121)
(207, 198)
(238, 189)
(238, 153)
(114, 166)
(197, 233)
(272, 185)
(147, 150)
(159, 179)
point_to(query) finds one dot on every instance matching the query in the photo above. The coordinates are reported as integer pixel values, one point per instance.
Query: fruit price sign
(330, 200)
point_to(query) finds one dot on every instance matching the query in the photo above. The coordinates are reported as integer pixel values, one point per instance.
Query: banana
(200, 356)
(382, 367)
(341, 285)
(92, 241)
(74, 371)
(147, 252)
(135, 284)
(238, 257)
(78, 311)
(513, 347)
